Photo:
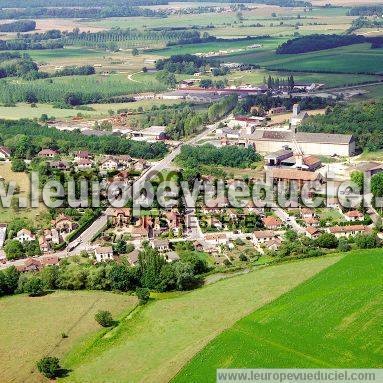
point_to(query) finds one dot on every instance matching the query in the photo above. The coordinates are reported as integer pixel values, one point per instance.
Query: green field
(359, 58)
(90, 87)
(100, 110)
(330, 321)
(268, 44)
(31, 327)
(162, 336)
(257, 76)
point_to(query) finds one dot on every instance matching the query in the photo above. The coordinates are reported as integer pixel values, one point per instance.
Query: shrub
(49, 366)
(104, 318)
(143, 295)
(34, 287)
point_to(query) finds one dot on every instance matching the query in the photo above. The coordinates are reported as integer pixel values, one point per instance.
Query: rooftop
(294, 174)
(287, 136)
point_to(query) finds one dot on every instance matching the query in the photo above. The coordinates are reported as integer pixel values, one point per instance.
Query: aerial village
(288, 156)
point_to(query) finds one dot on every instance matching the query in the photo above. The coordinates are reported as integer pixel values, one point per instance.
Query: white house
(216, 239)
(104, 254)
(263, 236)
(3, 231)
(25, 235)
(161, 245)
(347, 231)
(4, 152)
(109, 164)
(84, 164)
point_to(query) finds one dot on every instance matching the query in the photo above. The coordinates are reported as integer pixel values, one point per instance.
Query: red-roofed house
(30, 264)
(311, 222)
(312, 232)
(50, 260)
(272, 223)
(84, 164)
(354, 215)
(82, 155)
(47, 153)
(347, 231)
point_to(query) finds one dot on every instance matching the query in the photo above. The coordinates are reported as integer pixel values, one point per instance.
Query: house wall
(309, 148)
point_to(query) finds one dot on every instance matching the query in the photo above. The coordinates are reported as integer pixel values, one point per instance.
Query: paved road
(86, 237)
(289, 221)
(83, 242)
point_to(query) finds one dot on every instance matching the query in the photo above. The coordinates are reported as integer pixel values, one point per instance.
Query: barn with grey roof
(326, 144)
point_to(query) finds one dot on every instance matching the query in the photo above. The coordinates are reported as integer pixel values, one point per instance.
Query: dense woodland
(188, 64)
(17, 65)
(26, 138)
(366, 10)
(193, 157)
(19, 26)
(85, 70)
(313, 43)
(363, 120)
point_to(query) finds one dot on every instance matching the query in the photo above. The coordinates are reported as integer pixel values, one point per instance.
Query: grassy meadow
(153, 344)
(330, 321)
(31, 327)
(36, 215)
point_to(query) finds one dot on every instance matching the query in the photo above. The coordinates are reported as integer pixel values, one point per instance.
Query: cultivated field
(89, 87)
(162, 336)
(332, 320)
(31, 327)
(359, 58)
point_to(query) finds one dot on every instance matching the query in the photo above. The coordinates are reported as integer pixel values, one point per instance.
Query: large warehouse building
(268, 141)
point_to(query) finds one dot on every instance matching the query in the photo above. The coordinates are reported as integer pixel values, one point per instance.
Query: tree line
(318, 42)
(152, 272)
(77, 3)
(26, 138)
(366, 10)
(112, 39)
(15, 64)
(18, 26)
(186, 63)
(91, 12)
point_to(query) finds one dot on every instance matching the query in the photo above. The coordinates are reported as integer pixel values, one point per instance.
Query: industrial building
(325, 144)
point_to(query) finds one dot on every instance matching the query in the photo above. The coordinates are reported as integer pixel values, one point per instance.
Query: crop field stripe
(332, 319)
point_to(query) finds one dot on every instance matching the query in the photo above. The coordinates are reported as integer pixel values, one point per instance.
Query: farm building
(268, 141)
(150, 134)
